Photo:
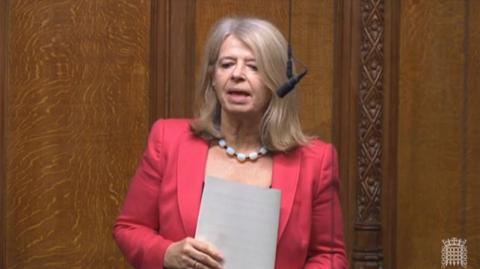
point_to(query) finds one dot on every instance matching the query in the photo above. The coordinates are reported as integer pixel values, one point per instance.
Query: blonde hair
(280, 128)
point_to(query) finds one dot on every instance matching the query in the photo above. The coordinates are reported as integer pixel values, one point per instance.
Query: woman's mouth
(238, 96)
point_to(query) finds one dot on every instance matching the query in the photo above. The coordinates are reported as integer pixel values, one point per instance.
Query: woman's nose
(238, 72)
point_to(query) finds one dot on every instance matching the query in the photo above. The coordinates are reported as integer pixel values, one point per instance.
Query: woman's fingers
(205, 254)
(193, 253)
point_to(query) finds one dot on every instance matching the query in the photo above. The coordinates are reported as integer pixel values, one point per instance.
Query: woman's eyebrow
(234, 58)
(226, 58)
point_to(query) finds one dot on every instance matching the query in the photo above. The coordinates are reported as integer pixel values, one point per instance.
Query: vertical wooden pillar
(158, 64)
(365, 129)
(173, 58)
(3, 65)
(390, 131)
(367, 251)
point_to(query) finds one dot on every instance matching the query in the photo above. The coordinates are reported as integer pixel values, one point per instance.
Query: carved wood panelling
(367, 248)
(78, 96)
(370, 113)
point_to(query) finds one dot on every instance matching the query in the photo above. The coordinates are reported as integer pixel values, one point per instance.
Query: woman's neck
(241, 133)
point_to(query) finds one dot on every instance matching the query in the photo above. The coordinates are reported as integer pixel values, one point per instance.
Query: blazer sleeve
(326, 249)
(135, 229)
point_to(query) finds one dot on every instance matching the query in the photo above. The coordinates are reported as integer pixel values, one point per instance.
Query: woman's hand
(192, 253)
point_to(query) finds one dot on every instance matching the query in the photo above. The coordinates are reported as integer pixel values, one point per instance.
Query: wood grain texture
(390, 132)
(181, 64)
(173, 61)
(77, 119)
(368, 251)
(344, 108)
(312, 41)
(472, 133)
(431, 94)
(158, 65)
(3, 65)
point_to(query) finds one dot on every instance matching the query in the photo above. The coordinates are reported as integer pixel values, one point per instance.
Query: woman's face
(237, 82)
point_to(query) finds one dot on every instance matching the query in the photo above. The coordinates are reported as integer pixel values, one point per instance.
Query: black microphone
(290, 84)
(292, 79)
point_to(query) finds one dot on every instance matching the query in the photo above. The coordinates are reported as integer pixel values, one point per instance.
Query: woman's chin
(237, 110)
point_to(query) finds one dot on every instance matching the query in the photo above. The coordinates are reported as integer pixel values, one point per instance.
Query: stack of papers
(241, 221)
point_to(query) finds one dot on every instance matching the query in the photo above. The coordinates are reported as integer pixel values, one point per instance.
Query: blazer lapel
(190, 178)
(286, 170)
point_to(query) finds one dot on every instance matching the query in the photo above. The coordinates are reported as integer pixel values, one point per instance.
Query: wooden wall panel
(312, 41)
(344, 127)
(79, 110)
(173, 59)
(472, 133)
(431, 139)
(158, 63)
(365, 126)
(390, 131)
(3, 76)
(76, 124)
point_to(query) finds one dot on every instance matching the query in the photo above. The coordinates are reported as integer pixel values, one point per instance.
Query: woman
(243, 132)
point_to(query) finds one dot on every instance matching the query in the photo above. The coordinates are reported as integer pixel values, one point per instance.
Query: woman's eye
(226, 65)
(253, 67)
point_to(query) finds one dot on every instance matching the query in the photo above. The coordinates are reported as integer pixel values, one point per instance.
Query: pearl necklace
(242, 156)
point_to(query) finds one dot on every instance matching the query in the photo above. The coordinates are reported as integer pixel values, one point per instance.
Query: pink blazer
(163, 201)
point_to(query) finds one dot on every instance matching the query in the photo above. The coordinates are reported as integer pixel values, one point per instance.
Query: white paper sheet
(241, 221)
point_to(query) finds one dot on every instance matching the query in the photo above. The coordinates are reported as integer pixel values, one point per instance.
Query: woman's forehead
(233, 47)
